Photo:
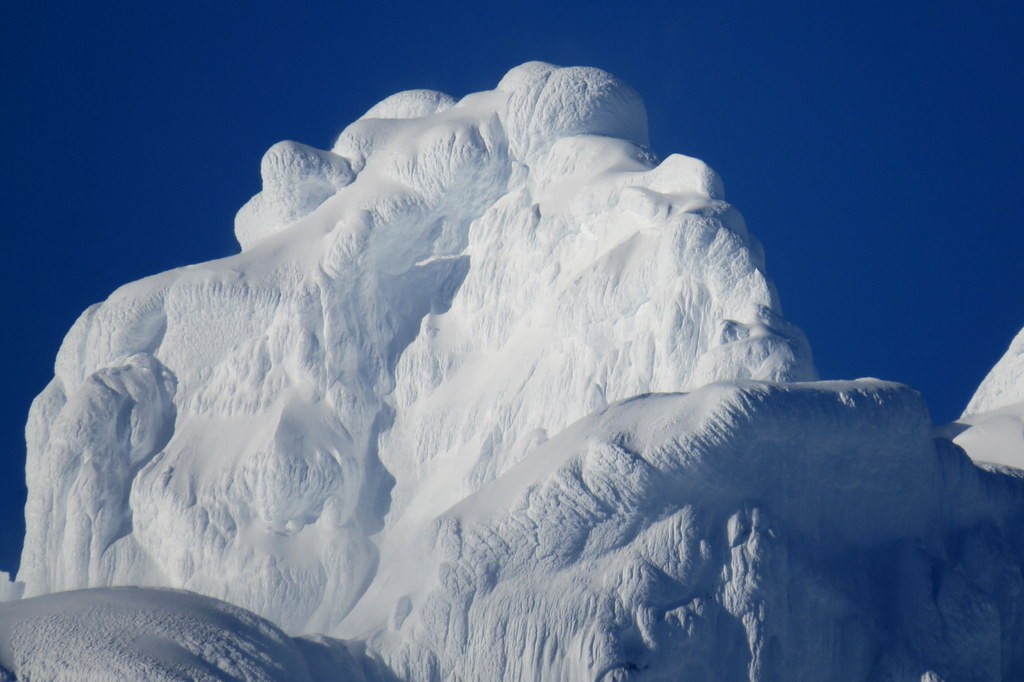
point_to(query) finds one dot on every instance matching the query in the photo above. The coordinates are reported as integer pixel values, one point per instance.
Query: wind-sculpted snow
(412, 312)
(136, 634)
(741, 532)
(991, 429)
(993, 438)
(493, 392)
(1004, 385)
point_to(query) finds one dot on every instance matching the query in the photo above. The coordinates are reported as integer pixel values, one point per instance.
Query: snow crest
(412, 313)
(991, 429)
(1004, 385)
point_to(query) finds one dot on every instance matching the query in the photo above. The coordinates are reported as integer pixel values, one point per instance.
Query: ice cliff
(493, 392)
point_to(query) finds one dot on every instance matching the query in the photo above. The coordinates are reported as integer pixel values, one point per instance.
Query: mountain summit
(411, 313)
(495, 392)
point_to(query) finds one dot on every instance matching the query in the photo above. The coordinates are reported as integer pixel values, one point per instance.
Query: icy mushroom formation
(493, 393)
(411, 313)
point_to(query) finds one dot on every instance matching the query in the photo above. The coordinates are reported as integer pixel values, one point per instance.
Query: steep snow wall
(411, 313)
(740, 532)
(1004, 385)
(991, 429)
(743, 531)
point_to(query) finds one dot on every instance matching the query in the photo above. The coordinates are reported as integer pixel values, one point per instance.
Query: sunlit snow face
(534, 106)
(413, 312)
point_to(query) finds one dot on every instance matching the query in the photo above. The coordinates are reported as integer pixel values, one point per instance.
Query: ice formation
(742, 531)
(1004, 385)
(410, 314)
(492, 392)
(991, 429)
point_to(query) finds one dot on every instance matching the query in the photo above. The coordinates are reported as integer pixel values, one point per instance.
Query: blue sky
(875, 148)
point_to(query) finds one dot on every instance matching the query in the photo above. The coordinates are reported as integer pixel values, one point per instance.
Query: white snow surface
(991, 429)
(995, 437)
(412, 313)
(744, 531)
(1004, 385)
(9, 590)
(130, 633)
(492, 392)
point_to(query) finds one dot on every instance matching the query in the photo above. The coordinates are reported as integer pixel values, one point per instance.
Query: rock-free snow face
(413, 311)
(744, 531)
(129, 633)
(991, 429)
(1004, 384)
(500, 394)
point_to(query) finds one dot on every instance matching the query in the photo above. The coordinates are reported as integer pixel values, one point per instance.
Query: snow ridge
(1004, 384)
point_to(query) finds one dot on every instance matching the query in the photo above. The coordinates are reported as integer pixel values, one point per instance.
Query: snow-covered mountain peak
(412, 314)
(497, 393)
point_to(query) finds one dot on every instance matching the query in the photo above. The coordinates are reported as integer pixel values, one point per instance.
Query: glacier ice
(410, 314)
(493, 392)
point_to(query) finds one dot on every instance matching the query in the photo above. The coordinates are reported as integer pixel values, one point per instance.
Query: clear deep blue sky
(875, 148)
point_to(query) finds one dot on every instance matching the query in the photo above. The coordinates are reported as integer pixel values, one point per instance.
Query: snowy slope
(137, 634)
(743, 531)
(991, 429)
(492, 392)
(412, 312)
(1004, 385)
